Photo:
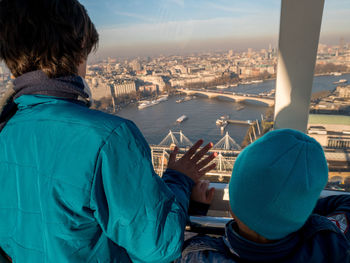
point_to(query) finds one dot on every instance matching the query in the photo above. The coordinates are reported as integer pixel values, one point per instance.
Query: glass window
(183, 71)
(329, 120)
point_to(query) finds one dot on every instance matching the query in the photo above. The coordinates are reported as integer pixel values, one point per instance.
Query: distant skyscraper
(136, 66)
(2, 74)
(322, 48)
(341, 45)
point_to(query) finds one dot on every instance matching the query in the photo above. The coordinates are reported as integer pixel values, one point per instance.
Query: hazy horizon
(198, 46)
(149, 28)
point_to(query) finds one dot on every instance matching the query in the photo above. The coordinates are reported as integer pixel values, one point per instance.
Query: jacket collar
(37, 83)
(27, 101)
(250, 251)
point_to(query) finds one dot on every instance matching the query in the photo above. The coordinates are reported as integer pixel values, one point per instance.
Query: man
(78, 185)
(274, 190)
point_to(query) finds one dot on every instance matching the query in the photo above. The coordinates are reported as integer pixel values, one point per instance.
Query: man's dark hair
(54, 36)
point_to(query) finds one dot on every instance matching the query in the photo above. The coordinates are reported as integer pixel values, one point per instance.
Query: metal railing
(219, 211)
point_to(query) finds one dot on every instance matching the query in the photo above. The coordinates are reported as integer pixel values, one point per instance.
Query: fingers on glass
(210, 194)
(202, 152)
(193, 149)
(207, 169)
(204, 185)
(173, 154)
(207, 160)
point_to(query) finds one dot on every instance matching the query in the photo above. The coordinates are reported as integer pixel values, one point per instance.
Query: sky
(153, 27)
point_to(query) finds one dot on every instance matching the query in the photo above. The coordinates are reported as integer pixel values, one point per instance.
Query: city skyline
(140, 28)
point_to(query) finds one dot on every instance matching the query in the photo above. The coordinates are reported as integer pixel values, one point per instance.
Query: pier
(248, 122)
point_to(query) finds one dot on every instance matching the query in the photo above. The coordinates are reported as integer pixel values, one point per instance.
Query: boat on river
(187, 98)
(162, 98)
(251, 82)
(336, 74)
(145, 104)
(341, 81)
(181, 119)
(222, 121)
(222, 87)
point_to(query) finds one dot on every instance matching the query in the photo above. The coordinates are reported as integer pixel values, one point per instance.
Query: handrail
(219, 211)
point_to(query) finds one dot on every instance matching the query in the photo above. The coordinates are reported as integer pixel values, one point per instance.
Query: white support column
(220, 162)
(258, 125)
(152, 153)
(250, 137)
(254, 131)
(298, 41)
(162, 166)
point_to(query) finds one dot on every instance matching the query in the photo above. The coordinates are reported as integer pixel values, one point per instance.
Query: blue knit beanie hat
(276, 182)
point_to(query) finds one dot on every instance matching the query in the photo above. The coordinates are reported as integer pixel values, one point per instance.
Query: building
(2, 75)
(154, 80)
(135, 65)
(124, 87)
(181, 82)
(344, 92)
(99, 88)
(230, 53)
(331, 131)
(149, 88)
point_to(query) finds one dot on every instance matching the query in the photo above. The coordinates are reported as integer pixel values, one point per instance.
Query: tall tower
(2, 73)
(341, 45)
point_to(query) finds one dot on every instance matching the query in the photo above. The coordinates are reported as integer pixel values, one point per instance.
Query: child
(278, 216)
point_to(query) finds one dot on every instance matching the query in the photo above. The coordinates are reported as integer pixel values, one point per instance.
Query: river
(155, 122)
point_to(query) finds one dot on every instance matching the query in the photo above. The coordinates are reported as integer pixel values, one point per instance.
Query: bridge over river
(228, 151)
(270, 101)
(226, 148)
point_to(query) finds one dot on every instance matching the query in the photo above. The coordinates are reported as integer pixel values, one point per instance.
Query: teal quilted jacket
(77, 185)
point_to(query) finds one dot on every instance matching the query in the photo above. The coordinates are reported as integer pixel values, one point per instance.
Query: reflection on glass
(182, 72)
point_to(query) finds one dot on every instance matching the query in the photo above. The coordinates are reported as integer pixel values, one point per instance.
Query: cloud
(231, 9)
(180, 3)
(188, 30)
(227, 19)
(133, 15)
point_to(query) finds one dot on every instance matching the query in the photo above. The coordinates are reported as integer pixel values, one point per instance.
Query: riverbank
(155, 122)
(321, 82)
(315, 75)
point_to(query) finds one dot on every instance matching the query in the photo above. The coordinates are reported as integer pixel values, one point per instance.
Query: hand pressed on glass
(201, 192)
(190, 163)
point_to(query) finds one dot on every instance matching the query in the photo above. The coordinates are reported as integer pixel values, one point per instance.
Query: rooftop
(329, 119)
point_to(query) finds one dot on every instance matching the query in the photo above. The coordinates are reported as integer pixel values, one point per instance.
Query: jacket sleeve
(337, 209)
(135, 208)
